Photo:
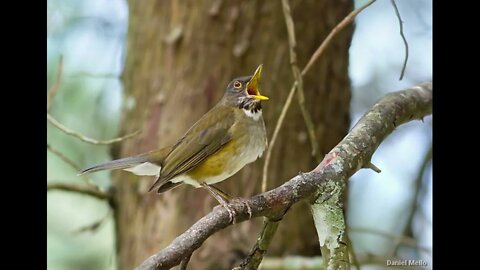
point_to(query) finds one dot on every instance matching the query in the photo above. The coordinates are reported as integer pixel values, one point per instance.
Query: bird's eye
(237, 84)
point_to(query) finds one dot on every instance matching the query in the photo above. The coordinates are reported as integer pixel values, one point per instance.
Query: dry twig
(400, 22)
(56, 86)
(339, 27)
(80, 189)
(253, 260)
(292, 44)
(402, 239)
(72, 164)
(63, 157)
(84, 138)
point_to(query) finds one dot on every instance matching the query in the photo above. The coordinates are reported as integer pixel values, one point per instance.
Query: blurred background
(389, 214)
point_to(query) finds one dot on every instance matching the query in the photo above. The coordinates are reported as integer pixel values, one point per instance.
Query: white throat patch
(254, 115)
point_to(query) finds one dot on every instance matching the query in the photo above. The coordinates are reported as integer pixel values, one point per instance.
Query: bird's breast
(248, 144)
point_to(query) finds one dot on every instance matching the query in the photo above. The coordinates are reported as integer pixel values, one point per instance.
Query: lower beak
(253, 90)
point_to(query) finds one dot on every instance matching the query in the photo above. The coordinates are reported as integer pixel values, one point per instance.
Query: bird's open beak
(253, 90)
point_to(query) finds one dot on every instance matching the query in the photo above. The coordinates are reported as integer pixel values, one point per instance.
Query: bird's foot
(246, 203)
(231, 213)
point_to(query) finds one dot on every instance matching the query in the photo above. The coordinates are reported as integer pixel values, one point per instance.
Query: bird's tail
(123, 163)
(143, 164)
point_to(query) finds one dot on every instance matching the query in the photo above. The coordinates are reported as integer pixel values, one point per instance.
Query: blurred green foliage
(91, 105)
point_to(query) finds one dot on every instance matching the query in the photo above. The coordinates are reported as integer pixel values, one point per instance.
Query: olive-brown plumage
(229, 136)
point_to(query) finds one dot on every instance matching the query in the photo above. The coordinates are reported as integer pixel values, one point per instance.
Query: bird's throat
(249, 104)
(254, 114)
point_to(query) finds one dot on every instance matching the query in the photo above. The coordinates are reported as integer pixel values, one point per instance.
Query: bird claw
(245, 202)
(231, 213)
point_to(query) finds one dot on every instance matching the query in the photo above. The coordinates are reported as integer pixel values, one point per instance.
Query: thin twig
(280, 120)
(352, 252)
(292, 44)
(350, 155)
(348, 19)
(80, 189)
(63, 157)
(400, 22)
(403, 239)
(373, 167)
(95, 225)
(94, 75)
(84, 138)
(253, 260)
(56, 86)
(184, 263)
(418, 186)
(72, 164)
(339, 27)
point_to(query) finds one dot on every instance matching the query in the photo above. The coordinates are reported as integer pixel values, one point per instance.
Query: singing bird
(224, 140)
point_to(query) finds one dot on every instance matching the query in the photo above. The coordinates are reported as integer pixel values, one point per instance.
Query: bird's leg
(222, 193)
(229, 198)
(219, 196)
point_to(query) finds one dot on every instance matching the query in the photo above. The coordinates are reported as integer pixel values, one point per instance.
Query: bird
(225, 139)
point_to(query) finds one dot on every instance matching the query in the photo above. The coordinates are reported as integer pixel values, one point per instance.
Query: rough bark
(180, 57)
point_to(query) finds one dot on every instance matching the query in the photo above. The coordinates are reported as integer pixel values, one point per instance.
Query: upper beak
(253, 85)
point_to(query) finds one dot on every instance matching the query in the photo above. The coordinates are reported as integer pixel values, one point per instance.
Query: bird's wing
(204, 138)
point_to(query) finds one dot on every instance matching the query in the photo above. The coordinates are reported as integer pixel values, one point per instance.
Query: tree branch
(184, 262)
(401, 239)
(400, 22)
(72, 164)
(253, 260)
(292, 44)
(416, 196)
(81, 189)
(327, 212)
(62, 156)
(95, 225)
(339, 27)
(352, 253)
(84, 138)
(56, 86)
(350, 155)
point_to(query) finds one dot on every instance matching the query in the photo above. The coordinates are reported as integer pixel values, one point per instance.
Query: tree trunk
(180, 57)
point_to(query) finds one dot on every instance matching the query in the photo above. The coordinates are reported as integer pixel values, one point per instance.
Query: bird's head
(244, 92)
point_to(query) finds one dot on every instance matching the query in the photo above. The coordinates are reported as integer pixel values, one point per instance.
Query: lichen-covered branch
(327, 212)
(350, 155)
